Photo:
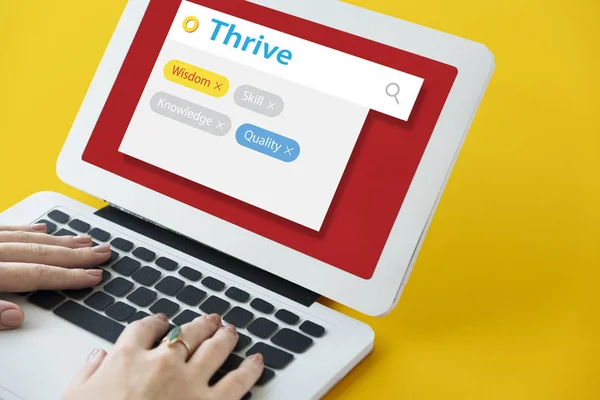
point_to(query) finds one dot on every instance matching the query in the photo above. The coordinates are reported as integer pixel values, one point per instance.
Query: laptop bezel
(375, 296)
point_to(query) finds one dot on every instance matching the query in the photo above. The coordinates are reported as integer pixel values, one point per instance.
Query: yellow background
(504, 300)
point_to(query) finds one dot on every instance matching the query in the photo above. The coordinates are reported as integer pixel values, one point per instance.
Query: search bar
(327, 70)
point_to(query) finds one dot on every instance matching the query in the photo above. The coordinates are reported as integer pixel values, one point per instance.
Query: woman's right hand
(133, 370)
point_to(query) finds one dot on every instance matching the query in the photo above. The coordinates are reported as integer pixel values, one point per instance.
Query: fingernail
(93, 354)
(231, 329)
(216, 318)
(83, 239)
(103, 248)
(162, 316)
(94, 272)
(11, 318)
(257, 358)
(39, 227)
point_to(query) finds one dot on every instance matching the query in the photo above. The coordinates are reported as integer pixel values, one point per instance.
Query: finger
(11, 315)
(21, 277)
(213, 352)
(144, 332)
(73, 242)
(54, 255)
(40, 228)
(92, 363)
(194, 333)
(238, 382)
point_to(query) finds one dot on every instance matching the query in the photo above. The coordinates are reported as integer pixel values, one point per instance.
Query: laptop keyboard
(138, 281)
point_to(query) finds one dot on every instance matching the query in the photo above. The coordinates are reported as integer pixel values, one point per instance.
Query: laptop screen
(298, 132)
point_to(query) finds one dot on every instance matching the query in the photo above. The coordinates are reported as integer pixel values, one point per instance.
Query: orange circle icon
(190, 24)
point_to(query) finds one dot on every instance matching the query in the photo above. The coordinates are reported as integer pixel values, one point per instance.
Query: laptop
(254, 158)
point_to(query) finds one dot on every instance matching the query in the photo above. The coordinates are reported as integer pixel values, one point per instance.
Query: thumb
(11, 315)
(94, 360)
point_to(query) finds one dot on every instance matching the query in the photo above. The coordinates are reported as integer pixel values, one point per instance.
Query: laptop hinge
(208, 254)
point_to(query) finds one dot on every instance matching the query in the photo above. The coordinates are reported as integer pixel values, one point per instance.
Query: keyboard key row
(261, 327)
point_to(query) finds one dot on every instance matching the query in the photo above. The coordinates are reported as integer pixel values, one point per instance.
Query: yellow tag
(196, 78)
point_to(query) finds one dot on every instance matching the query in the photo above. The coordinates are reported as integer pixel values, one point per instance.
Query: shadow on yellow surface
(503, 301)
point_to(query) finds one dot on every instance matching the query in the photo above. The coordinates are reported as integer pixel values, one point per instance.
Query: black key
(216, 378)
(190, 273)
(292, 340)
(105, 276)
(265, 377)
(142, 296)
(237, 294)
(50, 226)
(214, 305)
(144, 254)
(165, 306)
(118, 286)
(113, 256)
(126, 266)
(166, 263)
(78, 294)
(99, 301)
(79, 225)
(213, 284)
(231, 362)
(191, 295)
(120, 311)
(122, 244)
(273, 357)
(146, 276)
(312, 329)
(238, 317)
(138, 315)
(99, 234)
(46, 299)
(65, 232)
(262, 327)
(58, 216)
(287, 317)
(262, 306)
(169, 286)
(243, 341)
(89, 320)
(185, 317)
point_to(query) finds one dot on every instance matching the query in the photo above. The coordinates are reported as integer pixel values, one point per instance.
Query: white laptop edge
(376, 296)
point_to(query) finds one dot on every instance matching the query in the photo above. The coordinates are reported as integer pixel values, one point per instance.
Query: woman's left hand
(31, 260)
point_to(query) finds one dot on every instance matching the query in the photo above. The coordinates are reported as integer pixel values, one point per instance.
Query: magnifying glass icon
(393, 90)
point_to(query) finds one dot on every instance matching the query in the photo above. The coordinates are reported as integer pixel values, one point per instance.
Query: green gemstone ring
(174, 336)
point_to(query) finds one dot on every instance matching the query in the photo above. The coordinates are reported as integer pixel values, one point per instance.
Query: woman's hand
(32, 260)
(135, 371)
